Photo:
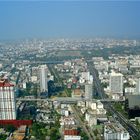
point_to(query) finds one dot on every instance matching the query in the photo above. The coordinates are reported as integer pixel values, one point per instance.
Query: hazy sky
(69, 19)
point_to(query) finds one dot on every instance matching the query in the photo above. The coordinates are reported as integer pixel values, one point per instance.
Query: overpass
(43, 62)
(66, 100)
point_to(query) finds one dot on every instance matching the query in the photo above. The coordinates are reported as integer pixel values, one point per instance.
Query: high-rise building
(7, 101)
(85, 75)
(138, 86)
(88, 90)
(43, 78)
(116, 83)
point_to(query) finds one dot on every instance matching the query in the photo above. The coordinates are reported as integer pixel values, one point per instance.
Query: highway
(65, 99)
(96, 80)
(126, 124)
(43, 62)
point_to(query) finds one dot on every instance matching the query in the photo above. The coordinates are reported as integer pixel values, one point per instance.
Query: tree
(10, 128)
(54, 133)
(84, 136)
(3, 137)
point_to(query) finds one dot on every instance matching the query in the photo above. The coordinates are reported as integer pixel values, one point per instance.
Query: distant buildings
(43, 78)
(116, 83)
(7, 101)
(115, 131)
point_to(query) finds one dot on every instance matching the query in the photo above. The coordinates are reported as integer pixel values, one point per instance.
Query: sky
(69, 19)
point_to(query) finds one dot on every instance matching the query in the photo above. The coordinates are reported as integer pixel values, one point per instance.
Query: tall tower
(116, 83)
(88, 90)
(7, 101)
(138, 86)
(43, 78)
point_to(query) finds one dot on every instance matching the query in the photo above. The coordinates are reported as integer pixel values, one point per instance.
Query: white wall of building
(116, 83)
(43, 78)
(7, 103)
(70, 137)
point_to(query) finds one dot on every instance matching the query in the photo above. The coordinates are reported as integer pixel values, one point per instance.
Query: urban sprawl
(68, 89)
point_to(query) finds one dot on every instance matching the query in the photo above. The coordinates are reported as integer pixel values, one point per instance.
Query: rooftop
(5, 83)
(114, 128)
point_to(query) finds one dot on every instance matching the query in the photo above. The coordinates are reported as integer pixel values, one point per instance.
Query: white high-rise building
(7, 101)
(85, 75)
(43, 78)
(138, 86)
(88, 90)
(116, 83)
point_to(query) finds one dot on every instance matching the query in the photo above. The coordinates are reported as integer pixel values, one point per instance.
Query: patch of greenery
(10, 128)
(3, 136)
(120, 108)
(41, 130)
(82, 134)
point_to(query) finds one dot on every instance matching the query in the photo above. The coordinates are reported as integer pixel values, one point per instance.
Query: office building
(132, 105)
(7, 101)
(43, 78)
(138, 87)
(88, 91)
(116, 83)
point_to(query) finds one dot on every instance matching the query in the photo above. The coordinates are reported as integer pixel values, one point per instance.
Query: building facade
(88, 91)
(7, 101)
(138, 87)
(115, 131)
(116, 83)
(43, 78)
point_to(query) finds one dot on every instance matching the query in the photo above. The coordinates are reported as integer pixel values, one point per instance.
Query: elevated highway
(66, 100)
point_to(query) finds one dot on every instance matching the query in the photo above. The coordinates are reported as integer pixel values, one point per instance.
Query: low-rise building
(71, 137)
(115, 131)
(71, 133)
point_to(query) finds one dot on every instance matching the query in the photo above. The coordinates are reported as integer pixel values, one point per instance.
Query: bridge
(66, 100)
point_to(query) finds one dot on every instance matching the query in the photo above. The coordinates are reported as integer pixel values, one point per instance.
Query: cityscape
(69, 88)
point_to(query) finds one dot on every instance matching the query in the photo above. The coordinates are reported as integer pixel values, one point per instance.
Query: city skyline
(69, 19)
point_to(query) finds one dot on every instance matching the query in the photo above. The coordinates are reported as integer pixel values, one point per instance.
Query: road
(64, 99)
(89, 128)
(77, 116)
(126, 124)
(96, 80)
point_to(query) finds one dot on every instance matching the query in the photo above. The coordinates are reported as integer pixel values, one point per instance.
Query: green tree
(84, 136)
(10, 128)
(3, 137)
(54, 133)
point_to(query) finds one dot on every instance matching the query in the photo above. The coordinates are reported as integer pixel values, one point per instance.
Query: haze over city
(69, 19)
(70, 70)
